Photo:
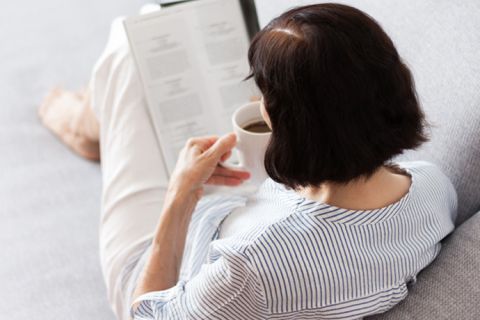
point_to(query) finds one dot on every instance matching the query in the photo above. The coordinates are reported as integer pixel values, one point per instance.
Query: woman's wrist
(177, 210)
(163, 265)
(181, 189)
(180, 200)
(181, 182)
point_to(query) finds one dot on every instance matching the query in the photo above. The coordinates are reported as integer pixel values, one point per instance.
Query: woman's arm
(197, 164)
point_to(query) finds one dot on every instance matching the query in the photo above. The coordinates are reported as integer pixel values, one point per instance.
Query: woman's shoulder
(431, 186)
(418, 164)
(421, 167)
(427, 174)
(431, 191)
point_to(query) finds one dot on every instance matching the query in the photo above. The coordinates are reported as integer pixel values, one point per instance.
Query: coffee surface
(257, 127)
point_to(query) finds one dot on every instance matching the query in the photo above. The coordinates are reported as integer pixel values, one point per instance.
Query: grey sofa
(49, 199)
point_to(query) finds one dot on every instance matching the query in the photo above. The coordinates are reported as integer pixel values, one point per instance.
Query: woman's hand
(198, 164)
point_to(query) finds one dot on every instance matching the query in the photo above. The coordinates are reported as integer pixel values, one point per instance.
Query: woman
(337, 232)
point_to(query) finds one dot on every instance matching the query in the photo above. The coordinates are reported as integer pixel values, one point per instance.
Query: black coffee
(257, 127)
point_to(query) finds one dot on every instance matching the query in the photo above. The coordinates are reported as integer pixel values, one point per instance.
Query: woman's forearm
(197, 165)
(163, 265)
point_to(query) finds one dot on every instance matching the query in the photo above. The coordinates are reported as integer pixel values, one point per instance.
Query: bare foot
(63, 112)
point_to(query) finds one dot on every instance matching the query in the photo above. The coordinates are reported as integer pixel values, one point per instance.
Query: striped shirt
(315, 261)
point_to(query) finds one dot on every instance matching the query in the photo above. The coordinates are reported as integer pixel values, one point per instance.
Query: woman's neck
(384, 187)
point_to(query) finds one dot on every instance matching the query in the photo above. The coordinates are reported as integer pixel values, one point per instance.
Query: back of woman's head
(340, 100)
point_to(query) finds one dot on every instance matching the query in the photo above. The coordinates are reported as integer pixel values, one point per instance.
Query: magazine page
(192, 60)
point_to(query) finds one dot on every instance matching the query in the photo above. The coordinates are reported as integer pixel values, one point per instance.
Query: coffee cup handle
(231, 166)
(237, 165)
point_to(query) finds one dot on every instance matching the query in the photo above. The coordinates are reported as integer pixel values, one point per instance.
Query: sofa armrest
(450, 287)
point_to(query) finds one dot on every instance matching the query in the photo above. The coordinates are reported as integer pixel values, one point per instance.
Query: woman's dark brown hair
(340, 100)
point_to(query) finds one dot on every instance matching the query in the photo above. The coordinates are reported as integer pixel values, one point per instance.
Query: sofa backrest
(440, 41)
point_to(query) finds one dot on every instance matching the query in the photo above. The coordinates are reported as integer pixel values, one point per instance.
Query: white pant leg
(134, 181)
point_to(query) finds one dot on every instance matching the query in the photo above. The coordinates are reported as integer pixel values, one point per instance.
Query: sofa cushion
(449, 288)
(440, 41)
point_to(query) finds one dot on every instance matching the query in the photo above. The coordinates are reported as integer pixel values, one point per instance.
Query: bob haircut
(340, 100)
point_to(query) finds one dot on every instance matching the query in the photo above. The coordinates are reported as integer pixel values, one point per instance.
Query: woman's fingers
(197, 163)
(224, 181)
(238, 174)
(203, 143)
(226, 156)
(227, 177)
(221, 146)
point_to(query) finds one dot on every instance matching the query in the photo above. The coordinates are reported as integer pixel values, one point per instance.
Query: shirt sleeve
(227, 288)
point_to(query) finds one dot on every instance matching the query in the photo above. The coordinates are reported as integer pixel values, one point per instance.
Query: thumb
(223, 145)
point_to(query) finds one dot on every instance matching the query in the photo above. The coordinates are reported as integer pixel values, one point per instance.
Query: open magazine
(192, 59)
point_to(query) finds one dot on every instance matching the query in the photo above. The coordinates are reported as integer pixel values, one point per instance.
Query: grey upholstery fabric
(49, 198)
(440, 41)
(449, 289)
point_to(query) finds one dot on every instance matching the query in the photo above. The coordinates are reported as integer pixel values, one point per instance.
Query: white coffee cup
(251, 146)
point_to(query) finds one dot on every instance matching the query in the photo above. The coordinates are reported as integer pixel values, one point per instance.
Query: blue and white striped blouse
(317, 261)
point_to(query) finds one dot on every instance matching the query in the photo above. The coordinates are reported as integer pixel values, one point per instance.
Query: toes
(47, 101)
(83, 147)
(61, 112)
(81, 94)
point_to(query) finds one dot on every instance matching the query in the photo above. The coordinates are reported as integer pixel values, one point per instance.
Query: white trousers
(134, 182)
